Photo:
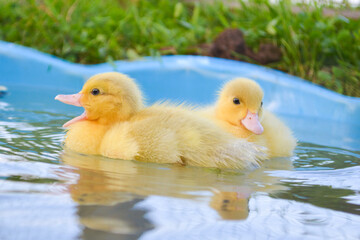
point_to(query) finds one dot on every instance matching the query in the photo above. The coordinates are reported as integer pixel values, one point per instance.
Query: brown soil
(231, 44)
(228, 44)
(267, 53)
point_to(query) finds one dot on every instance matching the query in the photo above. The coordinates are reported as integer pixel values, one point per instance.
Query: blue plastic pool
(48, 194)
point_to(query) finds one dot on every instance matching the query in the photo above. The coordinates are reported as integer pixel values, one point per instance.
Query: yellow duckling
(115, 124)
(239, 111)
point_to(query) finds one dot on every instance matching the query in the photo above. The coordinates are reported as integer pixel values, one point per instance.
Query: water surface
(48, 193)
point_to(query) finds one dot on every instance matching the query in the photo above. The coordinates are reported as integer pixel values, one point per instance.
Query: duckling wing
(240, 154)
(146, 140)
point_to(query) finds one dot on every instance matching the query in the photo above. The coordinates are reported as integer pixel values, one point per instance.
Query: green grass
(324, 50)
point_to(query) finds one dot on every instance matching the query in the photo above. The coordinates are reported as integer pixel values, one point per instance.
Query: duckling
(116, 124)
(239, 111)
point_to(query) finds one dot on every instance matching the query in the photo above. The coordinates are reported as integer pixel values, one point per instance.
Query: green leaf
(270, 28)
(185, 24)
(341, 18)
(338, 72)
(196, 13)
(324, 76)
(132, 54)
(178, 9)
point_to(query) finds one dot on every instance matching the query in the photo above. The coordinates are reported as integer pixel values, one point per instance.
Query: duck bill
(251, 122)
(73, 99)
(76, 119)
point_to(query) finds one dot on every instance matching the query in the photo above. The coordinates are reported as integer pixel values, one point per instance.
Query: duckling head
(106, 98)
(240, 104)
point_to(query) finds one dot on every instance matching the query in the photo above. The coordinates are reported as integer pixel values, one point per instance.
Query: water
(48, 193)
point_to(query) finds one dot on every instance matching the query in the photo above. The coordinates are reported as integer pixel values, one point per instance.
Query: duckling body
(116, 125)
(278, 137)
(239, 111)
(170, 134)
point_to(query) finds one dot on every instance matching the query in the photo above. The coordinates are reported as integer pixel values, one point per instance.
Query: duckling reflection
(109, 183)
(233, 205)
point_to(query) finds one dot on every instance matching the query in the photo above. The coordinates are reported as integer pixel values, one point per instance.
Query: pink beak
(251, 122)
(73, 99)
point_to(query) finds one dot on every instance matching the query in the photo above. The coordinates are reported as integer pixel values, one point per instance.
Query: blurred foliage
(324, 50)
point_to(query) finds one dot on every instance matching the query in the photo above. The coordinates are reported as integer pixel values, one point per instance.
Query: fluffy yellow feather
(115, 124)
(239, 111)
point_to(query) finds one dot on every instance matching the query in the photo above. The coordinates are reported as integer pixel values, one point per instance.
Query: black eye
(236, 101)
(95, 91)
(261, 104)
